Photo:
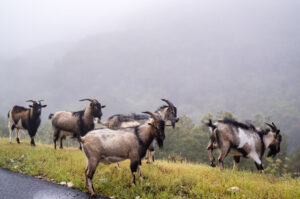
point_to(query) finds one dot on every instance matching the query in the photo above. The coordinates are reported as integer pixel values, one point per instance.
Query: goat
(242, 140)
(25, 118)
(111, 146)
(118, 121)
(75, 124)
(121, 121)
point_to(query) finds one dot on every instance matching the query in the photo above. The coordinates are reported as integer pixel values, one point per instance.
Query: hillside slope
(161, 180)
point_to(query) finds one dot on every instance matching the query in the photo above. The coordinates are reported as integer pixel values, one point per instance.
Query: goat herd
(132, 136)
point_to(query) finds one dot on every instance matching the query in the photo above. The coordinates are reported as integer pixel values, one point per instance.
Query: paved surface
(18, 186)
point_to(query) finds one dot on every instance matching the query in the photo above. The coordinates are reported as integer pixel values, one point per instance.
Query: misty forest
(212, 59)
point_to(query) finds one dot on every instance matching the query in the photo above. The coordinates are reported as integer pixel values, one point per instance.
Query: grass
(161, 179)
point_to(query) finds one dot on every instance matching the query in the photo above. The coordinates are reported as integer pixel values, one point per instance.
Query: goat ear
(150, 124)
(30, 106)
(44, 106)
(103, 106)
(278, 132)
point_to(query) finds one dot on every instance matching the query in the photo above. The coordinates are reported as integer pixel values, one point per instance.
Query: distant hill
(131, 71)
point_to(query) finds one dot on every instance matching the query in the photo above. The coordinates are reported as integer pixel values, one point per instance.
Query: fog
(207, 56)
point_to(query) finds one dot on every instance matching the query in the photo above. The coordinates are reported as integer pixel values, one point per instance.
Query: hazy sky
(27, 24)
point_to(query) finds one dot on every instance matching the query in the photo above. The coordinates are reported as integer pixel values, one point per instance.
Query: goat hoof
(212, 164)
(93, 194)
(141, 178)
(18, 140)
(32, 143)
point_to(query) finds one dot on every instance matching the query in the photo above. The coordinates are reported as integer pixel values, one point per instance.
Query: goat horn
(271, 126)
(152, 114)
(95, 100)
(33, 101)
(91, 100)
(276, 129)
(168, 102)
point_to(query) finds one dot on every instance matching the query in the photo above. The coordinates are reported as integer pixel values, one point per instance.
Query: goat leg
(139, 170)
(32, 141)
(17, 136)
(236, 160)
(133, 167)
(210, 153)
(89, 173)
(259, 167)
(224, 151)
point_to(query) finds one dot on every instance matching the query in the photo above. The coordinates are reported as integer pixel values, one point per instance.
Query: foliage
(187, 139)
(161, 179)
(294, 166)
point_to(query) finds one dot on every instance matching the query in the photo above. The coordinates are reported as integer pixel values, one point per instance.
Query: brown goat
(26, 119)
(75, 124)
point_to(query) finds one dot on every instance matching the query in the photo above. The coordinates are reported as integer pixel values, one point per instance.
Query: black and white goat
(111, 146)
(25, 118)
(167, 112)
(242, 140)
(75, 124)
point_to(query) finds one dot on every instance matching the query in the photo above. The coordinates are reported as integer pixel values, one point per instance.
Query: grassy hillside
(161, 180)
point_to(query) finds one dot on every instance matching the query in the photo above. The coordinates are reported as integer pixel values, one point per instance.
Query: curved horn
(275, 126)
(271, 126)
(168, 102)
(33, 101)
(152, 114)
(91, 100)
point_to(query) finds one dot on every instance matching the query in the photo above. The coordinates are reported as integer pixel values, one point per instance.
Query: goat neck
(268, 139)
(146, 133)
(163, 112)
(87, 115)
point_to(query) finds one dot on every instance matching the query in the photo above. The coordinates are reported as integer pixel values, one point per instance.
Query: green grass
(161, 179)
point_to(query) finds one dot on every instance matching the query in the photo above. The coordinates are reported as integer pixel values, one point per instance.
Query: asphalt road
(18, 186)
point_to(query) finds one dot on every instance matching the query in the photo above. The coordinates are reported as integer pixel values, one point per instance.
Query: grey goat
(111, 146)
(242, 140)
(118, 121)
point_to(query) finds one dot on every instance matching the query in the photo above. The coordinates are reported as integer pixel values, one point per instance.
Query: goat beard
(273, 151)
(160, 143)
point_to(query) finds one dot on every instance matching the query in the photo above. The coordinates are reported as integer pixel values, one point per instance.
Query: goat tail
(8, 114)
(211, 125)
(50, 116)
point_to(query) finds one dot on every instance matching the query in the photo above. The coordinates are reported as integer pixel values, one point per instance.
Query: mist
(208, 56)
